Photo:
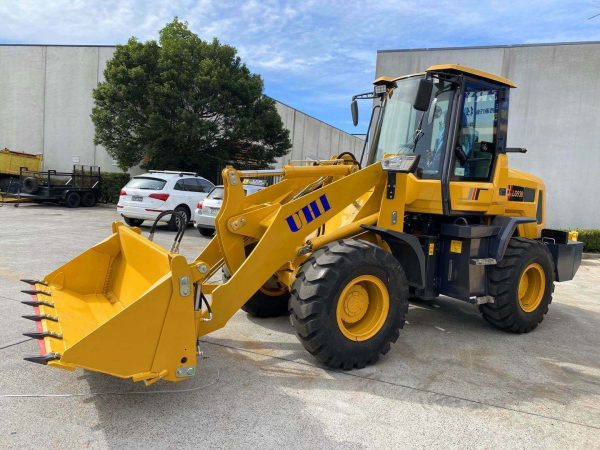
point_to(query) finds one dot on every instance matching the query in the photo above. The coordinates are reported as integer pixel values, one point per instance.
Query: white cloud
(312, 54)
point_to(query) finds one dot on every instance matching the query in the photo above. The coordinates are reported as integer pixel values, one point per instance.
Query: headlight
(401, 163)
(380, 89)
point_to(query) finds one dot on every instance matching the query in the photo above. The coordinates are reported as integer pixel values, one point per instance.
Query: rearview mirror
(423, 96)
(354, 110)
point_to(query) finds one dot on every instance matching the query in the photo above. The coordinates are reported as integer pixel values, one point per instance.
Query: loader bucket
(124, 307)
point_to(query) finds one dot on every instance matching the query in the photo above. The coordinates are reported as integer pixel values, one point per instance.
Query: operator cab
(453, 117)
(479, 101)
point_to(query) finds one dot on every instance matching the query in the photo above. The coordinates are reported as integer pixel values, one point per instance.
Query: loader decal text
(308, 213)
(520, 194)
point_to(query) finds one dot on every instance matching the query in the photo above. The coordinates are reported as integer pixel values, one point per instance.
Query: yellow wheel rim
(273, 288)
(531, 287)
(362, 308)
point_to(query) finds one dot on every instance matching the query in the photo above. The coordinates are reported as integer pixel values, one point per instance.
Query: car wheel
(206, 231)
(172, 224)
(133, 222)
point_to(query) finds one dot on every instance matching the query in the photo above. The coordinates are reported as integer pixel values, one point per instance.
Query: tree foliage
(185, 104)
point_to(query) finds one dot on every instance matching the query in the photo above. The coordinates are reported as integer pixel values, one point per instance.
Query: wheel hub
(531, 287)
(356, 303)
(362, 307)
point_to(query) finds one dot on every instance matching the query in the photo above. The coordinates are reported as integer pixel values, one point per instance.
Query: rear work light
(162, 197)
(122, 192)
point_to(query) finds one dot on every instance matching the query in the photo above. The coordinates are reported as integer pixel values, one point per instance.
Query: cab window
(477, 134)
(406, 130)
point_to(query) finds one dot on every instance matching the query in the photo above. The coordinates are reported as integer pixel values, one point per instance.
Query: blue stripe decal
(307, 214)
(292, 223)
(315, 208)
(325, 203)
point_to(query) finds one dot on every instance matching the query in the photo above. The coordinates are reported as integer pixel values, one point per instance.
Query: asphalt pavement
(450, 381)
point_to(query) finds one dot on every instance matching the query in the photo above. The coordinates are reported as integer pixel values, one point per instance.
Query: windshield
(406, 130)
(152, 184)
(217, 193)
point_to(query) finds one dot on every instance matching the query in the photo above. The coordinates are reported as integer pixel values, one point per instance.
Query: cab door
(481, 136)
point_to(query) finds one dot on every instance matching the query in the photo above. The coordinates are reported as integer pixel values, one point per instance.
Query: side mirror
(354, 110)
(423, 96)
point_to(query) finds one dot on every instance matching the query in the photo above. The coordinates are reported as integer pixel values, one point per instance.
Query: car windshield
(406, 130)
(153, 184)
(216, 193)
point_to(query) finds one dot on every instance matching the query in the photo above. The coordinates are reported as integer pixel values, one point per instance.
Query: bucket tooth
(39, 318)
(34, 282)
(38, 303)
(36, 292)
(43, 359)
(42, 335)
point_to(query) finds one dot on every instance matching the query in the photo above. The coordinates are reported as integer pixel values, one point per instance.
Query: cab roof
(451, 68)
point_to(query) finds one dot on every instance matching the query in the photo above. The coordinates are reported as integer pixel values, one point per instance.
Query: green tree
(185, 104)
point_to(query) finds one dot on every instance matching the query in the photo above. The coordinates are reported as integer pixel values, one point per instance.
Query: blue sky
(312, 55)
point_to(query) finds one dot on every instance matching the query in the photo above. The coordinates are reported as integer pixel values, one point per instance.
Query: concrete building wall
(554, 113)
(313, 139)
(46, 102)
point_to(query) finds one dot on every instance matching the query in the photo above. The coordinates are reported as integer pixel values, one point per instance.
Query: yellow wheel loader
(431, 208)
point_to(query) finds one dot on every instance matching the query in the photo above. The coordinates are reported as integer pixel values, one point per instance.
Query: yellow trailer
(11, 161)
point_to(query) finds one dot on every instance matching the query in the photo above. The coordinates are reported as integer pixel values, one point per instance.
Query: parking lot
(449, 380)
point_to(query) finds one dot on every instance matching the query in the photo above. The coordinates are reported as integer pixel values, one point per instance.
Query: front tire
(348, 303)
(522, 285)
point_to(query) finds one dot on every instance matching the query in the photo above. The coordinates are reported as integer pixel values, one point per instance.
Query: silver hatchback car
(207, 209)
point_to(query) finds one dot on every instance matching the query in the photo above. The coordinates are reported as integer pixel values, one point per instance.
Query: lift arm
(279, 222)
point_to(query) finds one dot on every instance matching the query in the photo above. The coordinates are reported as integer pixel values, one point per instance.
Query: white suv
(147, 195)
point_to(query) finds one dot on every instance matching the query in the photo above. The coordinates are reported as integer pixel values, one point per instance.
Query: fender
(507, 229)
(407, 249)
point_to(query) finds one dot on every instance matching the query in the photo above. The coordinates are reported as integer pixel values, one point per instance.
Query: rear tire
(206, 231)
(133, 222)
(267, 302)
(73, 200)
(172, 224)
(522, 284)
(348, 303)
(88, 199)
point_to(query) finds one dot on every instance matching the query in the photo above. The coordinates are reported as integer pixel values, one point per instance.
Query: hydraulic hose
(181, 225)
